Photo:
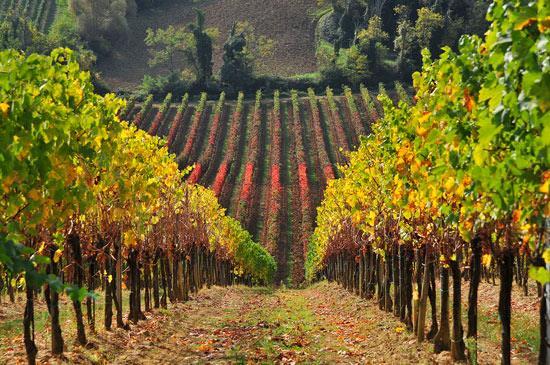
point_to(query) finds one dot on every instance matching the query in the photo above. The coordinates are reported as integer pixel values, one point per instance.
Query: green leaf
(540, 274)
(480, 155)
(76, 293)
(487, 131)
(493, 94)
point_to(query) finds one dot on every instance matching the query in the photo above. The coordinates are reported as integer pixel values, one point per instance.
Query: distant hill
(289, 22)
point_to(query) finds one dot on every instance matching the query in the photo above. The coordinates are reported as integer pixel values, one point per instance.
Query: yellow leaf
(424, 117)
(486, 260)
(7, 182)
(98, 140)
(356, 217)
(57, 255)
(4, 108)
(545, 187)
(546, 256)
(460, 190)
(110, 278)
(421, 131)
(480, 155)
(34, 194)
(449, 184)
(129, 239)
(372, 218)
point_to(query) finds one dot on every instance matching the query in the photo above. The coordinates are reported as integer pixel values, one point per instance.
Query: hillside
(40, 12)
(269, 168)
(288, 22)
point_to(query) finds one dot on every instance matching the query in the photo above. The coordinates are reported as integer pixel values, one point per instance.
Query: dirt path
(323, 324)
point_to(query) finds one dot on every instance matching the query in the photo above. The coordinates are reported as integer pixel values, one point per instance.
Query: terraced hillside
(40, 12)
(268, 160)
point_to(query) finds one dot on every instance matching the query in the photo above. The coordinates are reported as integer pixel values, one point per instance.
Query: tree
(193, 46)
(166, 44)
(350, 21)
(203, 48)
(357, 66)
(374, 8)
(236, 69)
(369, 53)
(241, 50)
(101, 22)
(404, 42)
(426, 24)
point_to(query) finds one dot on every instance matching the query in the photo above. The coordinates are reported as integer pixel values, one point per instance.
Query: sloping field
(40, 12)
(268, 160)
(288, 22)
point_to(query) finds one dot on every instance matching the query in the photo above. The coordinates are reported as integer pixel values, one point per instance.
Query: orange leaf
(526, 23)
(205, 347)
(468, 101)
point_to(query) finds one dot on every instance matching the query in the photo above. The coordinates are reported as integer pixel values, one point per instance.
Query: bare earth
(289, 22)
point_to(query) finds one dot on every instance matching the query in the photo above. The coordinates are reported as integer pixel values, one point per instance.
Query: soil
(289, 22)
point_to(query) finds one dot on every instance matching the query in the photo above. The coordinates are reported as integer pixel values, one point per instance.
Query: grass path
(319, 325)
(322, 324)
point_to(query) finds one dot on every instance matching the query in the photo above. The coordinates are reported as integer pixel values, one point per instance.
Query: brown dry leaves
(323, 324)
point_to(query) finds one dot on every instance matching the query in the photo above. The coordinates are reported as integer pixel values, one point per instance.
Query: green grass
(290, 322)
(13, 327)
(64, 21)
(525, 329)
(9, 329)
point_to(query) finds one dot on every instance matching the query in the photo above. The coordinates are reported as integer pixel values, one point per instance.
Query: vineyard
(451, 187)
(101, 205)
(267, 160)
(390, 227)
(40, 12)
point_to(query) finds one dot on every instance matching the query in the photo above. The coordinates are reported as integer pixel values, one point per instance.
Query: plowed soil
(288, 22)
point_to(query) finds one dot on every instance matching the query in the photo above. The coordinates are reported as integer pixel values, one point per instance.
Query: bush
(333, 76)
(162, 85)
(327, 28)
